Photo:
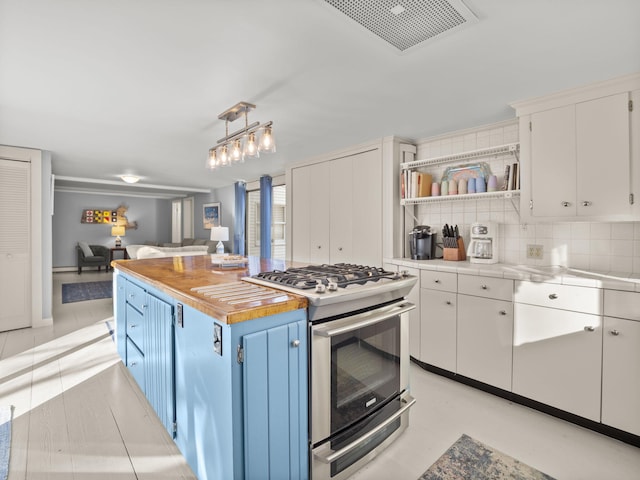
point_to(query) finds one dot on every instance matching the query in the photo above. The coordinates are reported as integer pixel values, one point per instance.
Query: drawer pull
(437, 281)
(553, 296)
(133, 364)
(589, 328)
(131, 295)
(502, 312)
(448, 302)
(586, 203)
(565, 204)
(615, 332)
(484, 287)
(133, 325)
(295, 343)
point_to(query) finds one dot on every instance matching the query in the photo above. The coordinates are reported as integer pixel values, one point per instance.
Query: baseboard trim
(598, 427)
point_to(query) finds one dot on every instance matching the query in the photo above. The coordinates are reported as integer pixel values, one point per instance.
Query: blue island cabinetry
(233, 396)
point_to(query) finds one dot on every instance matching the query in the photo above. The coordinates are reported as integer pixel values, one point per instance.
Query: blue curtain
(265, 216)
(241, 213)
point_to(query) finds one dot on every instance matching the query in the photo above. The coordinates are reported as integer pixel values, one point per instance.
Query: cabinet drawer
(136, 296)
(135, 326)
(622, 304)
(488, 287)
(565, 297)
(447, 282)
(135, 363)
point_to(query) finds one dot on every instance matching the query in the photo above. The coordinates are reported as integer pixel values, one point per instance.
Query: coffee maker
(422, 243)
(484, 246)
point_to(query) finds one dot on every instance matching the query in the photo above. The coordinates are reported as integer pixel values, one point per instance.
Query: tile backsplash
(608, 246)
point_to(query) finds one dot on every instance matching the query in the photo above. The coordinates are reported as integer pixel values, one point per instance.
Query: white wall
(608, 246)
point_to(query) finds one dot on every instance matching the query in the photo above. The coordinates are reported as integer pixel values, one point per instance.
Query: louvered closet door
(15, 277)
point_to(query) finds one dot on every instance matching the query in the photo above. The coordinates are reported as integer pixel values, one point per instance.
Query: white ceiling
(136, 86)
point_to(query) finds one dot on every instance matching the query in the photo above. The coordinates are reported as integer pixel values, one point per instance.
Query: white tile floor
(80, 416)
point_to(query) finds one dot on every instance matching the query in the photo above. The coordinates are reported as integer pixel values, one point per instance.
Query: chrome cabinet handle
(502, 312)
(553, 296)
(615, 332)
(448, 302)
(133, 325)
(339, 249)
(133, 364)
(589, 328)
(565, 204)
(437, 281)
(586, 203)
(295, 343)
(131, 295)
(319, 247)
(484, 287)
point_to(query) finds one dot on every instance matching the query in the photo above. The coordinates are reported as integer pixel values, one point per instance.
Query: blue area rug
(468, 459)
(79, 292)
(5, 440)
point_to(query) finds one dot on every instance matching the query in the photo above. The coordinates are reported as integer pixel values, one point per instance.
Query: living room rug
(5, 440)
(469, 459)
(78, 292)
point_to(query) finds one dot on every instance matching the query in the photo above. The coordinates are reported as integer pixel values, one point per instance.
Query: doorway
(278, 222)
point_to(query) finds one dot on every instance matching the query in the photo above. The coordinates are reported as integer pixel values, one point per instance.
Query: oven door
(359, 363)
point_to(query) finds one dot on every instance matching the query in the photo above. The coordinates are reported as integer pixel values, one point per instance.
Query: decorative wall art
(211, 215)
(101, 216)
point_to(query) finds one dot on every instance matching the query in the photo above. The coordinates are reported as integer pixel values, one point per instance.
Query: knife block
(455, 254)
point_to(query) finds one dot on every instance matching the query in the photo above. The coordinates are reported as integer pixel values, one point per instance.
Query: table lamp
(118, 231)
(222, 235)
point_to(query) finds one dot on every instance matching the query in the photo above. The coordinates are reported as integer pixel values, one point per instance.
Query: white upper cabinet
(579, 153)
(336, 210)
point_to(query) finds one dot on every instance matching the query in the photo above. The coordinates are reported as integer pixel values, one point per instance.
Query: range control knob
(332, 286)
(320, 288)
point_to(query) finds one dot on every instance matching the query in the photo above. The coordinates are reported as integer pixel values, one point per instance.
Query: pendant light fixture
(247, 142)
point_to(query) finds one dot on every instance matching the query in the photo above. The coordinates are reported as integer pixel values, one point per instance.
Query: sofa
(92, 256)
(188, 246)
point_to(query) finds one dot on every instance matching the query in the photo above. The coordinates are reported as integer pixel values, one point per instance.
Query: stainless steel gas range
(359, 360)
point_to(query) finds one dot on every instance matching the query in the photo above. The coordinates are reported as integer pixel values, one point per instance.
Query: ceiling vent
(407, 23)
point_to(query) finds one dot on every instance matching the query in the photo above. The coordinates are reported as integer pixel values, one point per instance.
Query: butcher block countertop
(214, 290)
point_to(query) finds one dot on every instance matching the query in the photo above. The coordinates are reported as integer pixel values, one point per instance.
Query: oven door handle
(331, 456)
(367, 318)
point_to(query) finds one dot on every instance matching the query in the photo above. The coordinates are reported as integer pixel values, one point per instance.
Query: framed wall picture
(211, 215)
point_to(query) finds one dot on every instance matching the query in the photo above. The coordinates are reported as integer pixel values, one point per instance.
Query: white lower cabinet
(485, 329)
(557, 358)
(621, 361)
(438, 328)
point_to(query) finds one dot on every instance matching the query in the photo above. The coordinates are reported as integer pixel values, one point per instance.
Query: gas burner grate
(342, 274)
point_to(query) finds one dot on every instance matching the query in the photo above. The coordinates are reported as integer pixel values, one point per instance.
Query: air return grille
(406, 23)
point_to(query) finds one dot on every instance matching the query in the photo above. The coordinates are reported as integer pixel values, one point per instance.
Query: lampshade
(220, 233)
(118, 231)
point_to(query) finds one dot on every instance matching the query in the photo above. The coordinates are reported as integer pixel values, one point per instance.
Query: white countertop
(550, 274)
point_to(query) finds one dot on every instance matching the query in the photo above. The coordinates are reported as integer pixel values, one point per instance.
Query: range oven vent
(407, 23)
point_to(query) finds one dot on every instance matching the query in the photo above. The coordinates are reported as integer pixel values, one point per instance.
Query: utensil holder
(455, 254)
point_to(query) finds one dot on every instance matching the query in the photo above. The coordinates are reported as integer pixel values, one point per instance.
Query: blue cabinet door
(158, 359)
(275, 402)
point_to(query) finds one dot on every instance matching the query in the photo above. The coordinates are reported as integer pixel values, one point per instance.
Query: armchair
(99, 258)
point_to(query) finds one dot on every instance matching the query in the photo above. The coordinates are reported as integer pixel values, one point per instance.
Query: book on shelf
(415, 184)
(505, 182)
(512, 177)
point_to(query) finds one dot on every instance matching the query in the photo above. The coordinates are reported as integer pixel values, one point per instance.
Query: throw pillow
(199, 241)
(86, 249)
(187, 241)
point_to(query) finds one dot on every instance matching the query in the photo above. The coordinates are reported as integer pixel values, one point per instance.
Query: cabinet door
(553, 162)
(621, 374)
(366, 217)
(485, 340)
(438, 328)
(557, 358)
(275, 369)
(603, 154)
(158, 359)
(340, 201)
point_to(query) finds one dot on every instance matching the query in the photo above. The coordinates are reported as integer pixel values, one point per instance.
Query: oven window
(365, 371)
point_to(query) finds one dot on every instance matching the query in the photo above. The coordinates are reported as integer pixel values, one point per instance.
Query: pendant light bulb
(251, 146)
(236, 151)
(224, 156)
(211, 161)
(267, 143)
